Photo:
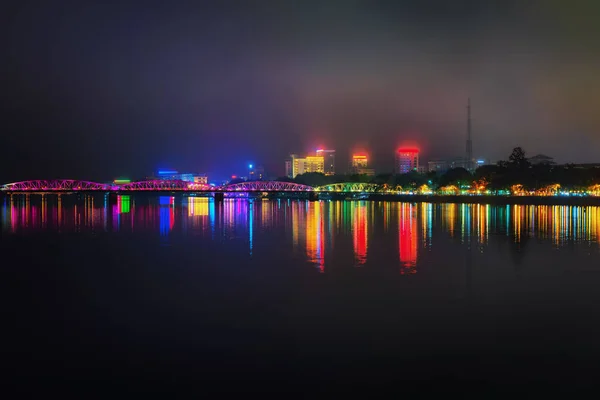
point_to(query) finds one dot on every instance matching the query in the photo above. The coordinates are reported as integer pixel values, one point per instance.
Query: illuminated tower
(407, 159)
(469, 153)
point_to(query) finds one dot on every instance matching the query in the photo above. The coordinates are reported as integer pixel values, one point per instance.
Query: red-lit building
(407, 159)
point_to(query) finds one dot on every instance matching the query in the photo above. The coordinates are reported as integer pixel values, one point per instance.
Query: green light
(121, 181)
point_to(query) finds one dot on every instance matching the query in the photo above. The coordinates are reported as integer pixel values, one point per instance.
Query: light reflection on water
(313, 230)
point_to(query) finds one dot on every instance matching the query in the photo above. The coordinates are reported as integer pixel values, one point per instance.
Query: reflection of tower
(407, 235)
(5, 208)
(251, 225)
(360, 233)
(469, 152)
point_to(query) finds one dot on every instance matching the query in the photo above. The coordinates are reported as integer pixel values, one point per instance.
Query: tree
(456, 176)
(518, 159)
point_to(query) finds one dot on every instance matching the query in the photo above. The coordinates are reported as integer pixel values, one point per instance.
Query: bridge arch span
(156, 184)
(352, 187)
(58, 185)
(266, 186)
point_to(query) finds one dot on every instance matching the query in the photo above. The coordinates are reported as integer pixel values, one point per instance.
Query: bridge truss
(56, 185)
(266, 186)
(351, 187)
(155, 185)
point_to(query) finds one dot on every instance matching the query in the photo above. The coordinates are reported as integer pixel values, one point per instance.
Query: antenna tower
(469, 155)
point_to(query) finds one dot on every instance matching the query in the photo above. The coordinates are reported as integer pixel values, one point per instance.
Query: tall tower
(469, 155)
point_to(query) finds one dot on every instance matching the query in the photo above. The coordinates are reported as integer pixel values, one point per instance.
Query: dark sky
(94, 90)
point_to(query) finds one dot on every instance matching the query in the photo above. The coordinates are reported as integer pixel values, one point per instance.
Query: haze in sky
(95, 91)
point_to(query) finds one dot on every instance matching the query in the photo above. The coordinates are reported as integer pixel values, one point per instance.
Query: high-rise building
(295, 165)
(289, 168)
(359, 165)
(256, 173)
(298, 166)
(328, 161)
(439, 166)
(407, 159)
(314, 164)
(359, 161)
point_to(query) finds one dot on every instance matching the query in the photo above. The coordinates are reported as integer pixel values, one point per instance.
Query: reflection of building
(360, 233)
(198, 206)
(328, 161)
(123, 204)
(167, 214)
(407, 238)
(407, 160)
(315, 235)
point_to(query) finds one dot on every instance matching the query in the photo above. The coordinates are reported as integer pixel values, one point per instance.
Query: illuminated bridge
(352, 187)
(158, 185)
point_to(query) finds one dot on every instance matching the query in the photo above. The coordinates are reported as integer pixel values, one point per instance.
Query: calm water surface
(307, 294)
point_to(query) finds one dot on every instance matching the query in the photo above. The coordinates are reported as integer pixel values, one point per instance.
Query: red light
(408, 150)
(233, 176)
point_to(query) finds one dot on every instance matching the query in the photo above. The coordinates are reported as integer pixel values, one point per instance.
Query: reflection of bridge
(70, 185)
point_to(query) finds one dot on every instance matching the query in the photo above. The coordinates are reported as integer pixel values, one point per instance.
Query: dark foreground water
(158, 292)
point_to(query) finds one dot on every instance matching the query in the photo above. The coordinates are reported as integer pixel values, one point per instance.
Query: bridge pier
(219, 196)
(313, 196)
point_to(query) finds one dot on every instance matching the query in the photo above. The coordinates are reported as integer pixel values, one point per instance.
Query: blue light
(250, 166)
(167, 172)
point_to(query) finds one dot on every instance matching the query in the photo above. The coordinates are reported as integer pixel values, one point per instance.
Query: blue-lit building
(169, 174)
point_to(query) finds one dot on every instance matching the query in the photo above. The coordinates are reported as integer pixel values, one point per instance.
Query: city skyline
(211, 88)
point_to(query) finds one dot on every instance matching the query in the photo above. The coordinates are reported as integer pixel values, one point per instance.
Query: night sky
(94, 91)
